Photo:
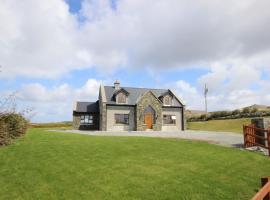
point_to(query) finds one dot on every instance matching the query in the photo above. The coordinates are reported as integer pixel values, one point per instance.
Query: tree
(246, 110)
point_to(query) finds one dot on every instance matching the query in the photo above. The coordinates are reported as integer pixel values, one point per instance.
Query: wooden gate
(256, 137)
(264, 193)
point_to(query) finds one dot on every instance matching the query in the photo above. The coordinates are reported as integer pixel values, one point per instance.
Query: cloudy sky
(54, 52)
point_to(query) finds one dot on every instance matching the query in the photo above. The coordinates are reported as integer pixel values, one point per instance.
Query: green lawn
(46, 165)
(230, 125)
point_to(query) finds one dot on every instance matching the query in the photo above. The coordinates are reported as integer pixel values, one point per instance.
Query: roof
(87, 107)
(134, 93)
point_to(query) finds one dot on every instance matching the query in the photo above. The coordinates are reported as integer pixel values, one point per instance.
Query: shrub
(254, 110)
(17, 124)
(4, 136)
(12, 125)
(236, 112)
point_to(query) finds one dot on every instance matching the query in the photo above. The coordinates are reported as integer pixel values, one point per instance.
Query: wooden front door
(148, 119)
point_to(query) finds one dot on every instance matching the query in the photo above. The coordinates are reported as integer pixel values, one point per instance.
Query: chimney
(116, 85)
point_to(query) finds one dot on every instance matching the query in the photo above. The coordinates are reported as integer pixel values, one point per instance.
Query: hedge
(12, 125)
(236, 114)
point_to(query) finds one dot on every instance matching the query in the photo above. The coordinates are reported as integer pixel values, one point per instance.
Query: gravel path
(221, 138)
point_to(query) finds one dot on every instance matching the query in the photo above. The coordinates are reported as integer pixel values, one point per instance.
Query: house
(130, 109)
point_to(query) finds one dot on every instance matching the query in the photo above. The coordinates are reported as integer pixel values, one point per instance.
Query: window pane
(86, 119)
(169, 119)
(121, 118)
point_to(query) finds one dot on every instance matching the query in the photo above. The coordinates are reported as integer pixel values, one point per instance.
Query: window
(121, 98)
(167, 100)
(169, 119)
(87, 119)
(121, 118)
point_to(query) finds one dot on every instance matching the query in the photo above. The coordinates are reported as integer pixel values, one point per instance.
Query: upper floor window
(86, 119)
(167, 100)
(121, 98)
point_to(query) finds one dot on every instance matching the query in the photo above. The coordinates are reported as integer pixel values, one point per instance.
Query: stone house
(130, 109)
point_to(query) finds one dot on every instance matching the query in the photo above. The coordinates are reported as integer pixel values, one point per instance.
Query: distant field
(52, 125)
(230, 125)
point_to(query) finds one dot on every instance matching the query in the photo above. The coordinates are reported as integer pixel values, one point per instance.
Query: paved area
(221, 138)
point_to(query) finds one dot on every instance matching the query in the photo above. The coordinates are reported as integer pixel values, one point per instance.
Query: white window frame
(87, 119)
(172, 118)
(121, 123)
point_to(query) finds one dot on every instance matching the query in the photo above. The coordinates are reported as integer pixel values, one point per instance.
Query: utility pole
(205, 97)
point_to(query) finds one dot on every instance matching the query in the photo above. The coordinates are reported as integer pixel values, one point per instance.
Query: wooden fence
(256, 137)
(264, 193)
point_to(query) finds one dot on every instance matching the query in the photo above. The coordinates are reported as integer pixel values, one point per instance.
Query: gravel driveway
(221, 138)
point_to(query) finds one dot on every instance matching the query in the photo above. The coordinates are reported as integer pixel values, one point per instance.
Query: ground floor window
(169, 119)
(121, 118)
(87, 119)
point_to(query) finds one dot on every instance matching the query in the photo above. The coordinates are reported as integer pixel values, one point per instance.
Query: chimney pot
(116, 85)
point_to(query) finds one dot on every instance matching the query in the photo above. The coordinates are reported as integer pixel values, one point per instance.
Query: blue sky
(61, 51)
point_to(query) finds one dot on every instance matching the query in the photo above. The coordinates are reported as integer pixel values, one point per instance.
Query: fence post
(264, 181)
(244, 133)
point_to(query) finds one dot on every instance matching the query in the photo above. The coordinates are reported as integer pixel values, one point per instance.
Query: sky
(55, 52)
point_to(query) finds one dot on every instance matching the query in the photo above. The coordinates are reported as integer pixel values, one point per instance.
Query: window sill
(121, 124)
(168, 124)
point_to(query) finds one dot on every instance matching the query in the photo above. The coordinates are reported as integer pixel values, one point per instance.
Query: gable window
(87, 119)
(167, 100)
(169, 119)
(121, 118)
(121, 98)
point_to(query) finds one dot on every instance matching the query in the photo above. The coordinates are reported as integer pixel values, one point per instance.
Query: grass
(229, 125)
(47, 165)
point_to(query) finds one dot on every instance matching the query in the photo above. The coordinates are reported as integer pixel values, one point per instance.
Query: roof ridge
(86, 101)
(138, 88)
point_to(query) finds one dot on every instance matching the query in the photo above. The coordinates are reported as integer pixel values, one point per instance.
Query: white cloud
(55, 104)
(43, 39)
(47, 40)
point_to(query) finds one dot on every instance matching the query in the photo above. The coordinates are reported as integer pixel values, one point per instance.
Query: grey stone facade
(102, 109)
(148, 99)
(76, 122)
(263, 123)
(103, 116)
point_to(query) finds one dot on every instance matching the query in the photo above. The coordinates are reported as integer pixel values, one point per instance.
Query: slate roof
(87, 107)
(134, 93)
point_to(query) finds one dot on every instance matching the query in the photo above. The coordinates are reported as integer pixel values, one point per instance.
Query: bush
(254, 110)
(236, 112)
(4, 136)
(12, 125)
